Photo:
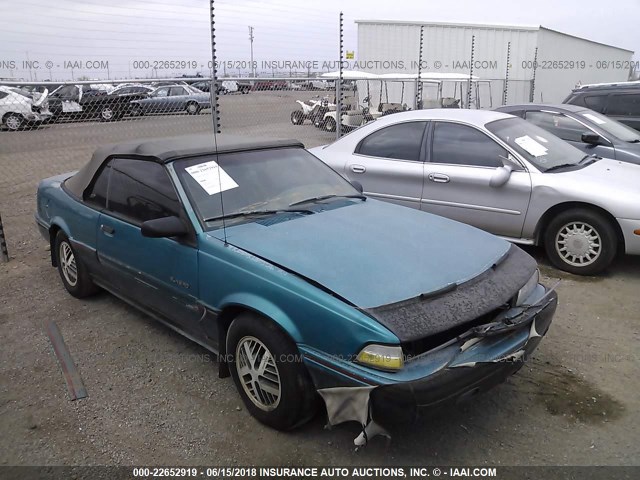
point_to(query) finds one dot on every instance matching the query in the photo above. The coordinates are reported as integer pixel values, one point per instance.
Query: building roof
(526, 28)
(164, 150)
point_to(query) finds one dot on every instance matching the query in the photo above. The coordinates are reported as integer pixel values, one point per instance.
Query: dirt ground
(155, 399)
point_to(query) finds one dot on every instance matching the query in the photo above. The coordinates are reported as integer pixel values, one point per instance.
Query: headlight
(528, 288)
(382, 357)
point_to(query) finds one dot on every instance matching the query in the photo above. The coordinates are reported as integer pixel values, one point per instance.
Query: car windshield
(613, 127)
(543, 149)
(261, 181)
(21, 92)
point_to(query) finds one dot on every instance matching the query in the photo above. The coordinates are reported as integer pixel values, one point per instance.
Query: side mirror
(590, 138)
(357, 185)
(501, 176)
(164, 227)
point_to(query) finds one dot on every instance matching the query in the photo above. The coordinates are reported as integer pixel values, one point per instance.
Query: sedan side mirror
(590, 138)
(164, 227)
(501, 176)
(357, 185)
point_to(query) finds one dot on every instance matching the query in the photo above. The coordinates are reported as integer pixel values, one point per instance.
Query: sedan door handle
(439, 177)
(107, 229)
(358, 168)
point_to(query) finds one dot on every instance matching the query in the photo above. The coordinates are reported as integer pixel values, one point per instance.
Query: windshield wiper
(634, 141)
(252, 213)
(585, 160)
(326, 197)
(562, 165)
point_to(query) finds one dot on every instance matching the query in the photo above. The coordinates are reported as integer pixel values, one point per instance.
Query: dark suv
(620, 101)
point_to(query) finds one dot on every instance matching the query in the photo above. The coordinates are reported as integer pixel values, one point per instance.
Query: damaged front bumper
(466, 365)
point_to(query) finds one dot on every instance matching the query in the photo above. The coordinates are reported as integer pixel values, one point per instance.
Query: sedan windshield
(543, 149)
(612, 127)
(252, 184)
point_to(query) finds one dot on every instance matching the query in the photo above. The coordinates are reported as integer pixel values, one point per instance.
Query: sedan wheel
(192, 108)
(579, 244)
(581, 241)
(13, 122)
(268, 371)
(107, 114)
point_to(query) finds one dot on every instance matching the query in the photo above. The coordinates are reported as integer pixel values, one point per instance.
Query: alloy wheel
(258, 373)
(68, 264)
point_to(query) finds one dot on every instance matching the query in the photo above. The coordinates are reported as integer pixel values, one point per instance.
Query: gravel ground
(154, 397)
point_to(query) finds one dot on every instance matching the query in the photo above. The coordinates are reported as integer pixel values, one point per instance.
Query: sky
(117, 39)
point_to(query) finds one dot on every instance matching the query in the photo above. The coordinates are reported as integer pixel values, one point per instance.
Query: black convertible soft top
(167, 149)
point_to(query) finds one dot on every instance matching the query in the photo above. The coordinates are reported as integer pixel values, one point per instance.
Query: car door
(158, 101)
(177, 98)
(462, 161)
(159, 273)
(570, 130)
(388, 163)
(625, 107)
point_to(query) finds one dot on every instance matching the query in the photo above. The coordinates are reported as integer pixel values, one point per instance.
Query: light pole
(253, 74)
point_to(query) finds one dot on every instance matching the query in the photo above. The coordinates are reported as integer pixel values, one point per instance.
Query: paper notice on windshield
(211, 177)
(531, 146)
(593, 118)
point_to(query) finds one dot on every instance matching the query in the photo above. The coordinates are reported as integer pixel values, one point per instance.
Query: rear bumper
(631, 240)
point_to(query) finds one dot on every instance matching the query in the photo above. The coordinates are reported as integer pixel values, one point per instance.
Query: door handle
(439, 177)
(358, 168)
(107, 229)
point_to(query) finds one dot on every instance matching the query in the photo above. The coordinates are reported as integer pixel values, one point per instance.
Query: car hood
(606, 173)
(371, 253)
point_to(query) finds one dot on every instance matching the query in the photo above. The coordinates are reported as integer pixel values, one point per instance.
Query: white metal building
(563, 60)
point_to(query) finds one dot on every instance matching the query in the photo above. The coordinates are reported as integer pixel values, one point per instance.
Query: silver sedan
(501, 174)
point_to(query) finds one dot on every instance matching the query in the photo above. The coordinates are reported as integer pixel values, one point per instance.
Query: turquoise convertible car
(261, 253)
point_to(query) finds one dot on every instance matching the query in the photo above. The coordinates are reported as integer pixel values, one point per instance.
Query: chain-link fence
(156, 69)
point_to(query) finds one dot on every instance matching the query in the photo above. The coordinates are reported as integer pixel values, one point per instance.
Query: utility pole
(253, 74)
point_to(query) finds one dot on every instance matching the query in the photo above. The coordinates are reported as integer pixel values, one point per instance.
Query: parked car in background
(620, 101)
(205, 86)
(19, 108)
(585, 129)
(502, 174)
(262, 85)
(170, 99)
(132, 91)
(83, 102)
(299, 282)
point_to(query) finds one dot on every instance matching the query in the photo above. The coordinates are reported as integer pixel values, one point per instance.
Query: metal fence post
(473, 46)
(339, 84)
(533, 80)
(213, 90)
(4, 253)
(417, 102)
(505, 92)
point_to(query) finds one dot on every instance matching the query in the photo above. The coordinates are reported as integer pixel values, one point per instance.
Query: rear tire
(581, 241)
(73, 273)
(193, 108)
(297, 117)
(269, 374)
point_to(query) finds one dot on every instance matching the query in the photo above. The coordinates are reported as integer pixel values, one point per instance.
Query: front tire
(269, 374)
(581, 241)
(73, 273)
(107, 114)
